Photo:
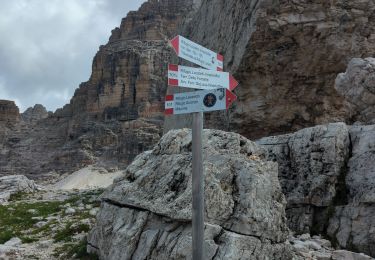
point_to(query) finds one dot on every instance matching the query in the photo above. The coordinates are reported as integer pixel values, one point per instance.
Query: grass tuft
(74, 251)
(66, 234)
(16, 219)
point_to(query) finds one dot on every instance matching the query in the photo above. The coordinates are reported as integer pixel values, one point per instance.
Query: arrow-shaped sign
(198, 101)
(197, 54)
(188, 77)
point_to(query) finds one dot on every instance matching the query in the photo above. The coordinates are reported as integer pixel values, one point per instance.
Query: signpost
(197, 54)
(215, 95)
(198, 101)
(188, 77)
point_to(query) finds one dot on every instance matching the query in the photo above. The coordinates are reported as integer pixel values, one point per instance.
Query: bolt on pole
(198, 188)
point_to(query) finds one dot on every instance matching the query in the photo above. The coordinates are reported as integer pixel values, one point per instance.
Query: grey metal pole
(198, 188)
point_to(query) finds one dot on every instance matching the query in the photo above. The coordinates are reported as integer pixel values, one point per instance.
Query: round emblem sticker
(209, 100)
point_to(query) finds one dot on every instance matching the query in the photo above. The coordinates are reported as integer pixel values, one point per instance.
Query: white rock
(50, 218)
(321, 255)
(322, 242)
(347, 255)
(70, 211)
(300, 246)
(304, 237)
(40, 224)
(14, 242)
(13, 184)
(94, 211)
(32, 211)
(312, 245)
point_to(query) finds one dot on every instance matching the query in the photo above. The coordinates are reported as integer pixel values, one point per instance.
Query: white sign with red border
(198, 101)
(197, 54)
(196, 78)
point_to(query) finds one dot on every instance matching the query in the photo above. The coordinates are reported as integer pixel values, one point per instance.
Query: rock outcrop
(327, 175)
(286, 56)
(318, 248)
(10, 185)
(114, 116)
(34, 114)
(357, 85)
(312, 164)
(149, 208)
(9, 112)
(353, 225)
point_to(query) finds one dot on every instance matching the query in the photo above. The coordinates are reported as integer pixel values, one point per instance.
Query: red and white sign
(197, 54)
(188, 77)
(198, 101)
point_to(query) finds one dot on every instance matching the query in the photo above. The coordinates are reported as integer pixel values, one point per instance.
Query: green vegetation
(78, 251)
(19, 196)
(18, 217)
(71, 229)
(86, 197)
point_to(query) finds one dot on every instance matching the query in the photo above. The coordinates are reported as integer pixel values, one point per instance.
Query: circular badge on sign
(209, 100)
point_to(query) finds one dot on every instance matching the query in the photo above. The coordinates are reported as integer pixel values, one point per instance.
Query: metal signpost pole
(215, 95)
(198, 188)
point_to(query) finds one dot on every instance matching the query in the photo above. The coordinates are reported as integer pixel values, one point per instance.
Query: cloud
(47, 47)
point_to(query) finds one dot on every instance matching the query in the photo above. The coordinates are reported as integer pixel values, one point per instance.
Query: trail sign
(216, 95)
(197, 54)
(188, 77)
(198, 101)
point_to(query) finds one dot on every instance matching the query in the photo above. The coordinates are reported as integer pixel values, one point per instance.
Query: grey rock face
(13, 184)
(149, 208)
(328, 177)
(34, 114)
(311, 162)
(286, 56)
(114, 116)
(357, 85)
(318, 248)
(353, 225)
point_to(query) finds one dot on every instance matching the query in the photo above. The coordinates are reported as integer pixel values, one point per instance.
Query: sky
(47, 46)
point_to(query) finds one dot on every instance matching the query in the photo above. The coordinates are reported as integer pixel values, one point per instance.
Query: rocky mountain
(115, 115)
(33, 114)
(9, 113)
(286, 56)
(305, 72)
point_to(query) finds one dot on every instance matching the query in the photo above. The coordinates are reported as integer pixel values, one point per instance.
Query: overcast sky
(47, 46)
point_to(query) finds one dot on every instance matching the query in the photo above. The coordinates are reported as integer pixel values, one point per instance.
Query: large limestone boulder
(357, 85)
(147, 212)
(13, 184)
(328, 177)
(353, 225)
(312, 165)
